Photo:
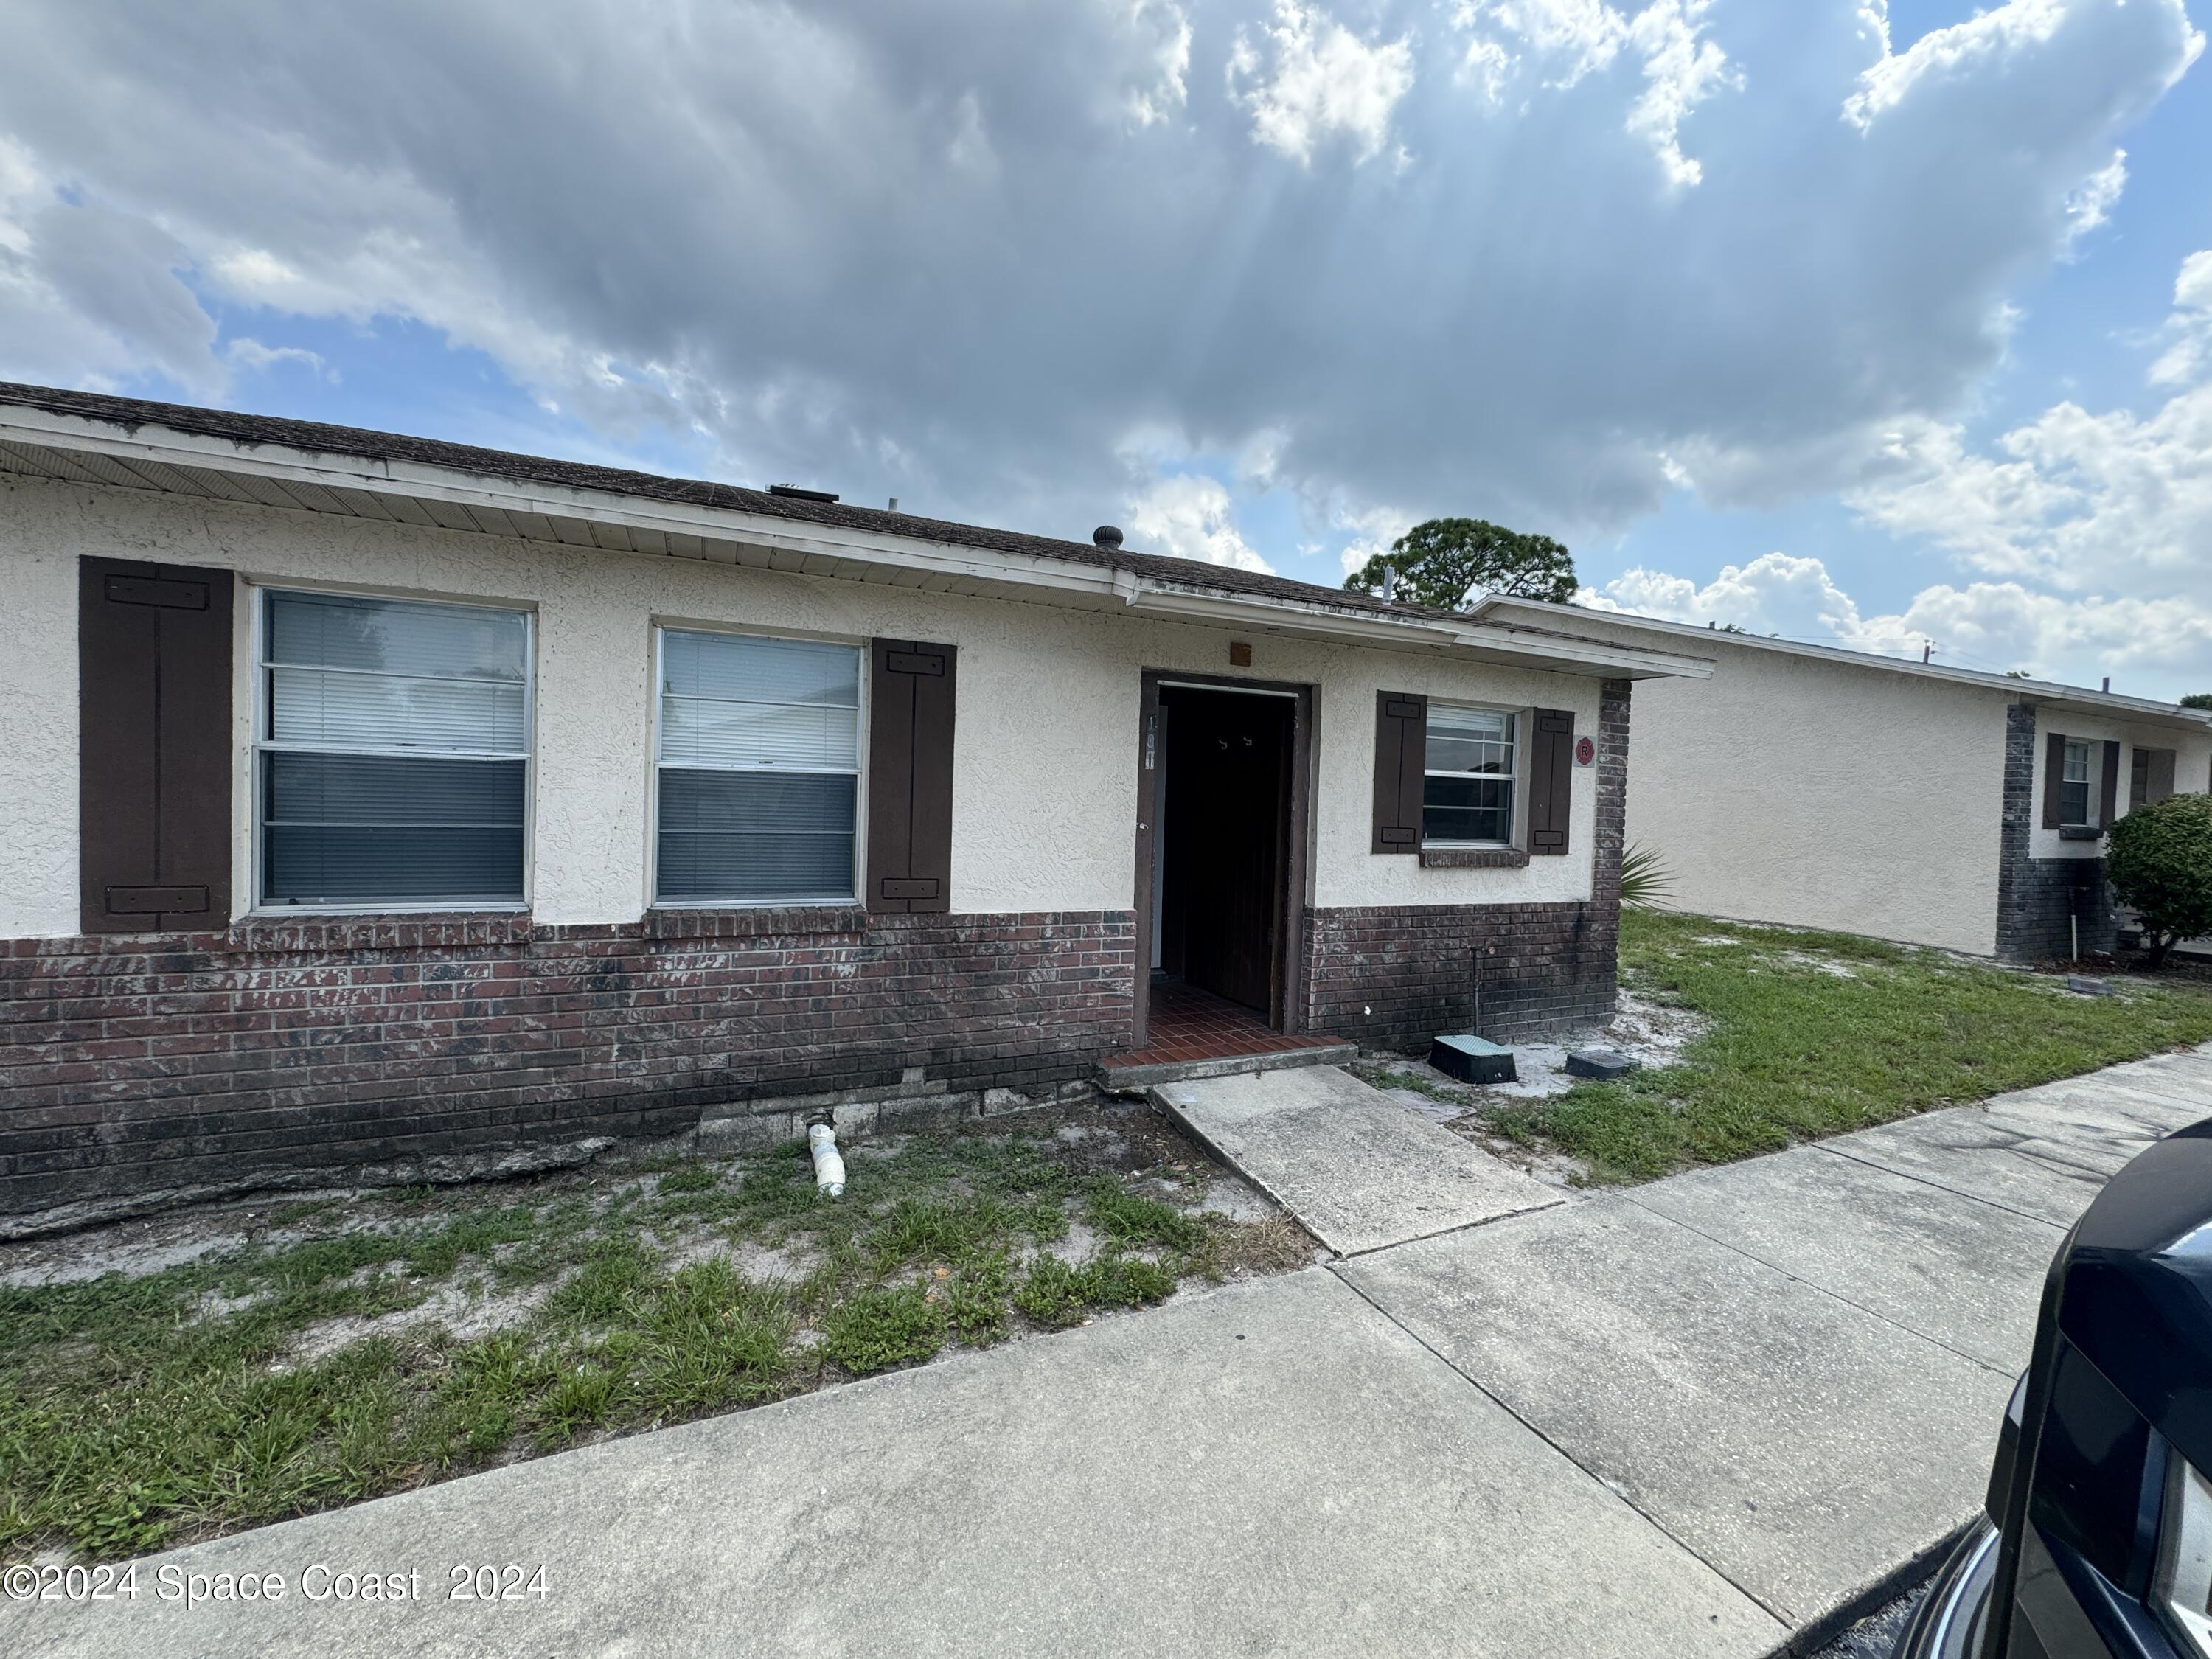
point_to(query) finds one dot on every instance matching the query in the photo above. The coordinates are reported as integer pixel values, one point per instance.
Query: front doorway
(1221, 849)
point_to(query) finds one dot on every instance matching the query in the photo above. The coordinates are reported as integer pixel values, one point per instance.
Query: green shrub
(2160, 865)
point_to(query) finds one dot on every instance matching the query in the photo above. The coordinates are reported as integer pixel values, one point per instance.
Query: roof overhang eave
(2109, 705)
(170, 459)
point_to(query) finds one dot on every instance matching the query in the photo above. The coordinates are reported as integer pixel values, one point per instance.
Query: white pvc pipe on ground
(829, 1165)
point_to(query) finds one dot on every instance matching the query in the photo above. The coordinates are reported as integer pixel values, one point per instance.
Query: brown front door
(1225, 840)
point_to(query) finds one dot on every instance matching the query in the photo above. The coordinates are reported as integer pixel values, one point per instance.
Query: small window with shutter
(759, 764)
(2075, 765)
(1469, 777)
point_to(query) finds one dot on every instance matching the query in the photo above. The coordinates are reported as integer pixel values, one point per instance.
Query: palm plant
(1645, 881)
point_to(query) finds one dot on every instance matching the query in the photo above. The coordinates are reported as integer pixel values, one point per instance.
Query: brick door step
(1135, 1078)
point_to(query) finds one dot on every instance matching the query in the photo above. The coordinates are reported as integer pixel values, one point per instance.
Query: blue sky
(1874, 325)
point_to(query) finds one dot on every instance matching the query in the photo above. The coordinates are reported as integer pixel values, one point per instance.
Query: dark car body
(2074, 1559)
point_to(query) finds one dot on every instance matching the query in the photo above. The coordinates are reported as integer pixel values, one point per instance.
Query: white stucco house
(1823, 787)
(373, 801)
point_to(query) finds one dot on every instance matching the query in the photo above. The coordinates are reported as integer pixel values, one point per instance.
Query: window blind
(759, 770)
(1468, 795)
(395, 757)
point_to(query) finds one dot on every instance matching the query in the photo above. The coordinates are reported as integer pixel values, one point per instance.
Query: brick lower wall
(179, 1062)
(1394, 977)
(2047, 900)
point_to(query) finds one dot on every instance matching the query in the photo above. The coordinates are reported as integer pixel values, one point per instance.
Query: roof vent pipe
(893, 507)
(1389, 583)
(1106, 536)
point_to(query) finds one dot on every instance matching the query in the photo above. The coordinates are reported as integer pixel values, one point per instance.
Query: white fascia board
(2041, 692)
(1044, 580)
(1560, 655)
(2137, 711)
(415, 481)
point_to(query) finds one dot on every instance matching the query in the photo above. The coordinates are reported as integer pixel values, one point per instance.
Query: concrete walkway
(1358, 1170)
(1703, 1417)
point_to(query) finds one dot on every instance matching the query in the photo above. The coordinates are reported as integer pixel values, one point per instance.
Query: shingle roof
(317, 437)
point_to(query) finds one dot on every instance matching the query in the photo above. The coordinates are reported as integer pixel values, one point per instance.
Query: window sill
(377, 930)
(1473, 858)
(755, 921)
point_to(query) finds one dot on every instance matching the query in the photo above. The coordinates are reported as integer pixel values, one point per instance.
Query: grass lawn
(343, 1347)
(1809, 1035)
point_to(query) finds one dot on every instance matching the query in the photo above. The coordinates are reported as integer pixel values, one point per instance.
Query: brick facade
(133, 1067)
(1393, 977)
(2040, 901)
(181, 1062)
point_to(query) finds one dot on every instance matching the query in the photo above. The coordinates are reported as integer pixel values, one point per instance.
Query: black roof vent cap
(798, 494)
(1106, 536)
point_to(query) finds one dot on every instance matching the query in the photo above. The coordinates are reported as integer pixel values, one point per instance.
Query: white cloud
(1980, 46)
(1313, 80)
(1681, 72)
(954, 253)
(2090, 203)
(1569, 40)
(249, 353)
(2097, 526)
(1373, 530)
(2190, 325)
(1164, 29)
(1189, 515)
(2072, 500)
(1774, 594)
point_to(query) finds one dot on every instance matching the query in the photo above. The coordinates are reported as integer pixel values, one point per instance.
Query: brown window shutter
(1401, 758)
(153, 789)
(2161, 781)
(1550, 781)
(2054, 776)
(2108, 806)
(910, 704)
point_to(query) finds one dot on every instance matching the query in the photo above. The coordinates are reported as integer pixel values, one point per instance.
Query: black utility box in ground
(1601, 1063)
(1472, 1059)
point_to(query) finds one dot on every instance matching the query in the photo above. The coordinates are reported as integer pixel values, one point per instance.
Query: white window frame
(1522, 719)
(2087, 781)
(863, 650)
(264, 743)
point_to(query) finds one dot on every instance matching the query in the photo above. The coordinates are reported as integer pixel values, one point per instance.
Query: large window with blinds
(759, 764)
(392, 764)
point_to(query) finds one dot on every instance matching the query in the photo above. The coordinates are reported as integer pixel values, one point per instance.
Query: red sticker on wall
(1585, 751)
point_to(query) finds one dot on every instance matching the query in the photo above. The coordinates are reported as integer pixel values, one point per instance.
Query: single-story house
(375, 802)
(1822, 787)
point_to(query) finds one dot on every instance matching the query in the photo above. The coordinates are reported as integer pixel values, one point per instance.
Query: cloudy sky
(1847, 321)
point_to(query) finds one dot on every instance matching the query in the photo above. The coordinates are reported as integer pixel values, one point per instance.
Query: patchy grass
(1811, 1035)
(1384, 1077)
(398, 1338)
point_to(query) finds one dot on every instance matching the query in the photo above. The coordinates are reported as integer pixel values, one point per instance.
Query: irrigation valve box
(1472, 1059)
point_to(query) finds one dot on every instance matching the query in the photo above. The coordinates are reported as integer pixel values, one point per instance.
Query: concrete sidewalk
(1704, 1416)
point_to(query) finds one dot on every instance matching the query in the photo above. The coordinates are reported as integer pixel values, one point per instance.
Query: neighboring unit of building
(371, 801)
(1830, 788)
